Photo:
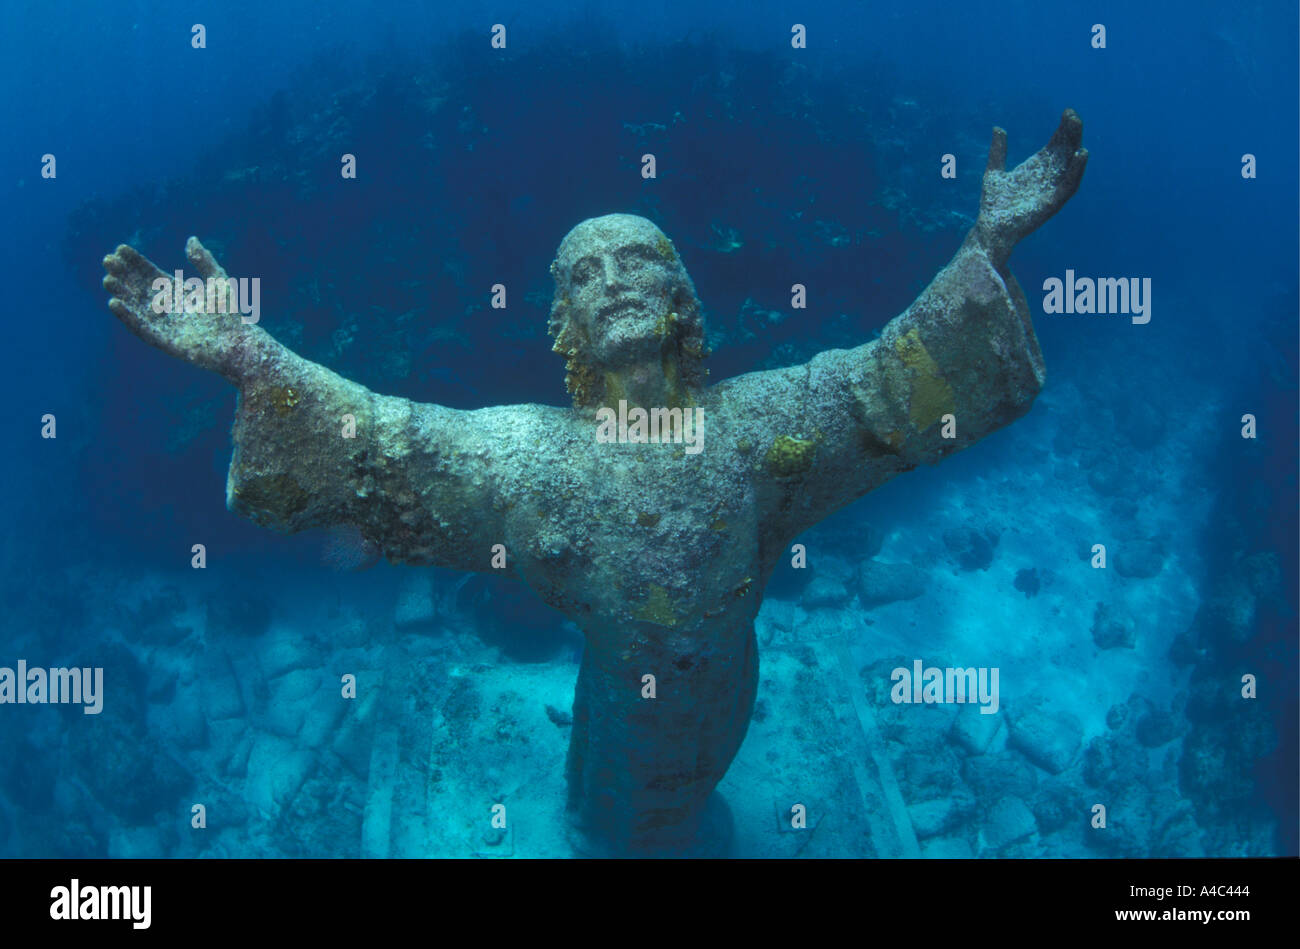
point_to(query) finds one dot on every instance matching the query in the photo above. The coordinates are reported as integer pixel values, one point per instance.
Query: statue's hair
(682, 323)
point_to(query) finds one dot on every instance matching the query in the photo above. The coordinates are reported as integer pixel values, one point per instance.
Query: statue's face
(618, 274)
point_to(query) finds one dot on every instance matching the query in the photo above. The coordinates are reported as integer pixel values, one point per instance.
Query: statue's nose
(614, 278)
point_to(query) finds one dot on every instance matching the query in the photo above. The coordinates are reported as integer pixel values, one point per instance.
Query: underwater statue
(658, 550)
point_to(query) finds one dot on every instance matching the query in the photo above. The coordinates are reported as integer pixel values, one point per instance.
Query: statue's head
(624, 304)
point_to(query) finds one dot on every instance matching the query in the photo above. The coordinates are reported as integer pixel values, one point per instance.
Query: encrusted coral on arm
(313, 449)
(961, 361)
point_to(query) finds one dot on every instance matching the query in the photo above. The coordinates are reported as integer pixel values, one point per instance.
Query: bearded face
(622, 299)
(620, 294)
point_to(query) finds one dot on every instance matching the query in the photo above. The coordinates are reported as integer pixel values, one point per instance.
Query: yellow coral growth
(932, 397)
(666, 325)
(790, 455)
(658, 608)
(283, 399)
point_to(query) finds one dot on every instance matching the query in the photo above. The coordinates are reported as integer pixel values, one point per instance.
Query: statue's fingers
(134, 272)
(202, 260)
(116, 287)
(997, 151)
(137, 262)
(1069, 183)
(123, 312)
(129, 255)
(1079, 162)
(115, 265)
(1068, 135)
(129, 307)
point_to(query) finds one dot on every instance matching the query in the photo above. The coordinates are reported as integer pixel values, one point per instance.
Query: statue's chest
(644, 534)
(664, 515)
(651, 496)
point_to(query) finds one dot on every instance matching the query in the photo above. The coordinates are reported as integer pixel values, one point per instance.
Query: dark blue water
(775, 165)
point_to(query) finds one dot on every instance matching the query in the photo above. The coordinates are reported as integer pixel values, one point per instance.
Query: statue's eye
(583, 271)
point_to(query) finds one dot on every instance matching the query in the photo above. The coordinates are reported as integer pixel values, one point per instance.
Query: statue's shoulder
(540, 433)
(759, 389)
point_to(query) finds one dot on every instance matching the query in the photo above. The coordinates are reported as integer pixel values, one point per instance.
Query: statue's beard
(628, 346)
(627, 338)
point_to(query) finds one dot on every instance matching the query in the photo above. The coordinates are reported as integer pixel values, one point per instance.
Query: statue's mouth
(618, 308)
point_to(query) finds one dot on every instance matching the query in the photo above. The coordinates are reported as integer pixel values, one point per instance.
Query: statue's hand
(216, 341)
(1014, 203)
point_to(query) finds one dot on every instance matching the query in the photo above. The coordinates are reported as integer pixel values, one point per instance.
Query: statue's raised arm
(312, 449)
(961, 362)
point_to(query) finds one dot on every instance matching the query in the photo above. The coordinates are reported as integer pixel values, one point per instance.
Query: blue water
(776, 165)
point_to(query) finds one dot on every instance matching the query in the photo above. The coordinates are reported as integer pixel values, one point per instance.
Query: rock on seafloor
(1008, 820)
(1048, 738)
(881, 583)
(974, 731)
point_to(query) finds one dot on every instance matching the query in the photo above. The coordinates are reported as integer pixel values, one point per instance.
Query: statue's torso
(645, 538)
(654, 553)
